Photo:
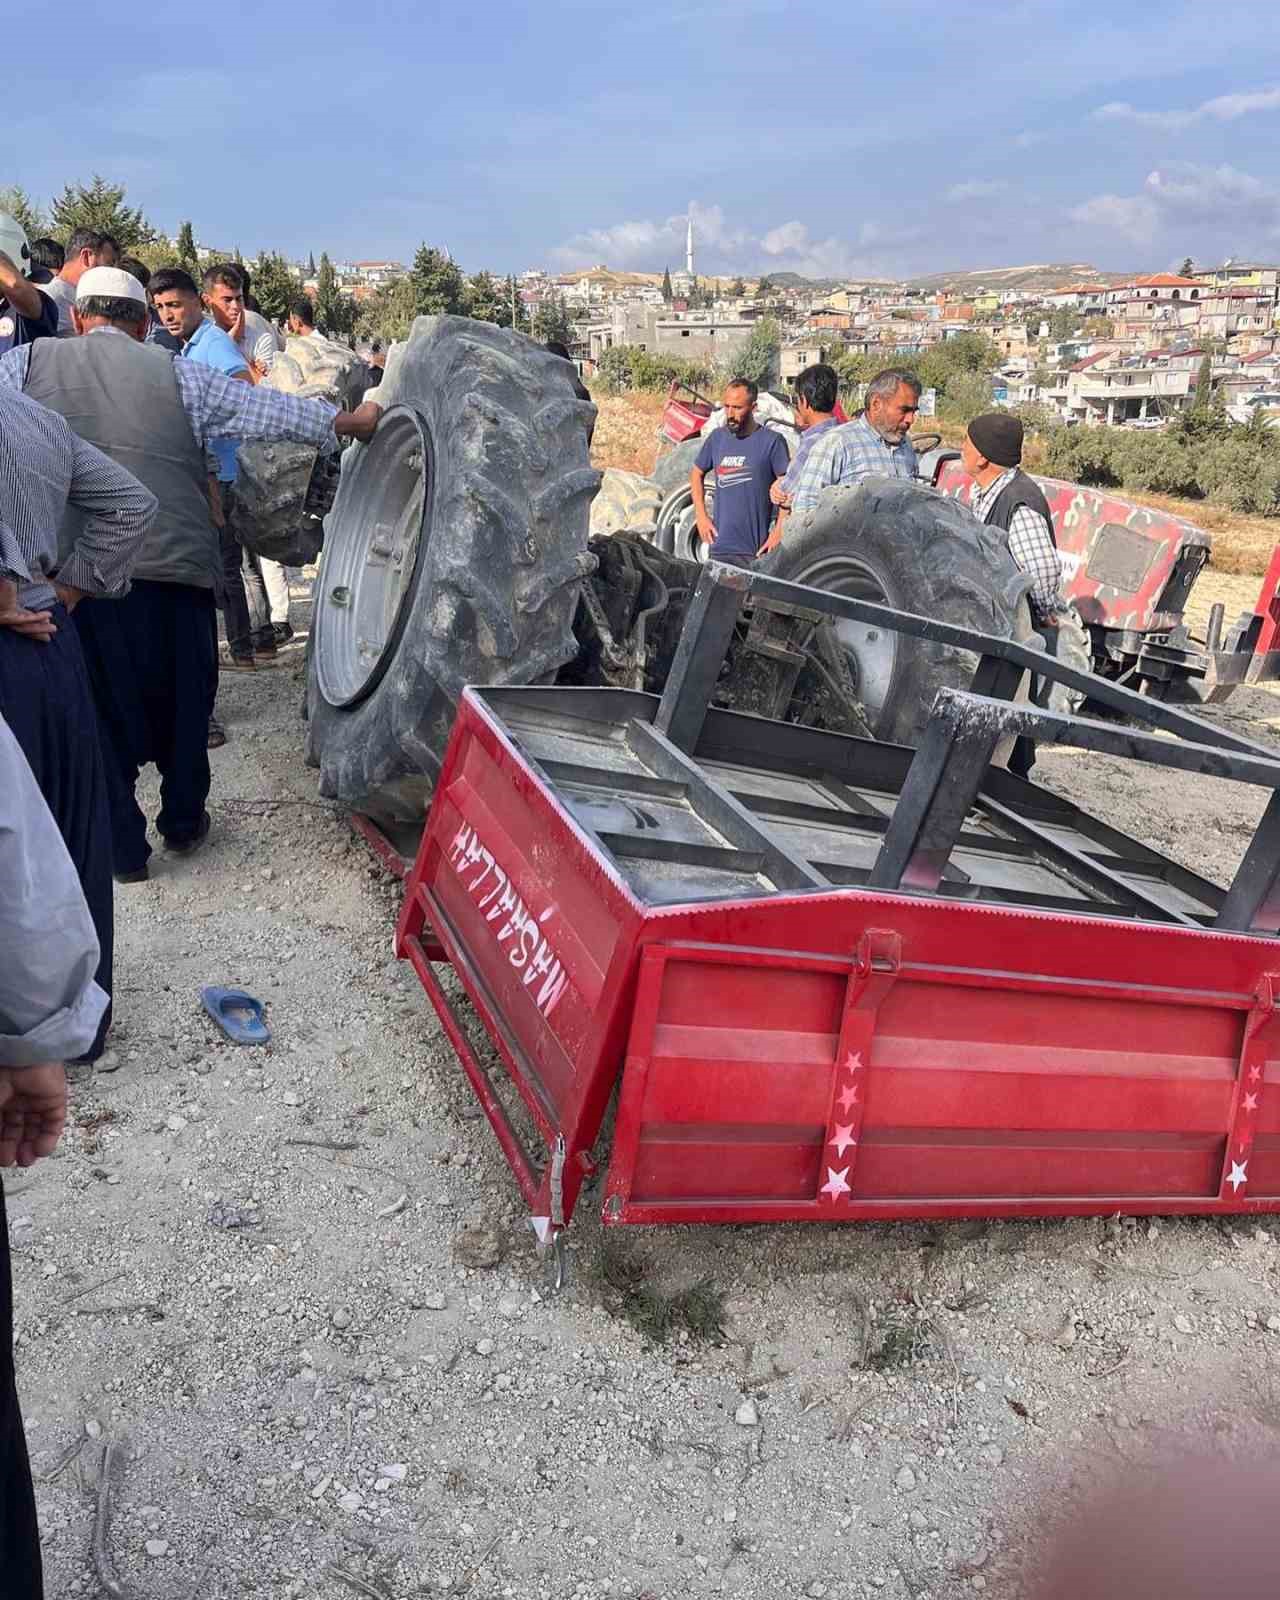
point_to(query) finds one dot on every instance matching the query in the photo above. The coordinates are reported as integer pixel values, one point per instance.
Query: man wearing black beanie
(1007, 498)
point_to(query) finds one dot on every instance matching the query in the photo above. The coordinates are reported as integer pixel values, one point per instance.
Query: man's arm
(219, 408)
(706, 528)
(50, 1006)
(20, 292)
(14, 365)
(1032, 548)
(119, 512)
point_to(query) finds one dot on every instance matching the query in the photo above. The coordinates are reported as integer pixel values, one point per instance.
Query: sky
(836, 142)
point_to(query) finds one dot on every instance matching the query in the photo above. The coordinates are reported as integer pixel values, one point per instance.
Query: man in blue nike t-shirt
(745, 459)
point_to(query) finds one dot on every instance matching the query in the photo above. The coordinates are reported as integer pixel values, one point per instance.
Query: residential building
(796, 357)
(700, 335)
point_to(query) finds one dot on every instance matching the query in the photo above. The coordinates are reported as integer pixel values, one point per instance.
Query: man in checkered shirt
(873, 445)
(1007, 498)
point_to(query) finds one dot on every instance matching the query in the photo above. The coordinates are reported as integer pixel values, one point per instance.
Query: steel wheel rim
(871, 651)
(678, 515)
(367, 577)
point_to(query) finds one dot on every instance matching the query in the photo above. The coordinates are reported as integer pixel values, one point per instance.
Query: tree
(1188, 268)
(1063, 322)
(23, 209)
(757, 360)
(274, 286)
(551, 320)
(388, 313)
(1204, 384)
(737, 289)
(668, 294)
(488, 300)
(335, 311)
(100, 205)
(765, 286)
(311, 265)
(187, 255)
(1099, 327)
(438, 288)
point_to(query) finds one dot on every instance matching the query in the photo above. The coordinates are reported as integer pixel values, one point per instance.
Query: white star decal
(844, 1138)
(853, 1062)
(1251, 1102)
(1239, 1174)
(835, 1185)
(847, 1098)
(1254, 1074)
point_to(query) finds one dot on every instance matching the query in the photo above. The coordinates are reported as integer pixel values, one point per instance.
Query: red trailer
(830, 979)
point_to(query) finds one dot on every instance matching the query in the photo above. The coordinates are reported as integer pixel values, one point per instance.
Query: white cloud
(648, 245)
(959, 193)
(1184, 195)
(1223, 108)
(722, 246)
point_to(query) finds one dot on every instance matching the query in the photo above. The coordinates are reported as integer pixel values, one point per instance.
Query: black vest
(1019, 491)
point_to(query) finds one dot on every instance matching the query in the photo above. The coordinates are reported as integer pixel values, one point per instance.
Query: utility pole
(514, 324)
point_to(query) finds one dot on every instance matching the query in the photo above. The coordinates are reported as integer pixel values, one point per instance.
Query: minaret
(688, 248)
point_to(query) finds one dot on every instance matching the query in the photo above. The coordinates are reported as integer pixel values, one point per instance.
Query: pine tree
(667, 293)
(187, 256)
(551, 320)
(24, 211)
(1187, 269)
(737, 289)
(438, 288)
(274, 286)
(487, 300)
(311, 265)
(332, 314)
(100, 205)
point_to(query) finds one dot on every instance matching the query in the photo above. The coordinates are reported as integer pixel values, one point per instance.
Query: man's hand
(778, 494)
(706, 530)
(70, 597)
(21, 294)
(30, 624)
(774, 539)
(33, 1111)
(360, 423)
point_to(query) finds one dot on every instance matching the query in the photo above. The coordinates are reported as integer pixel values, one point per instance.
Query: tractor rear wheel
(453, 555)
(899, 544)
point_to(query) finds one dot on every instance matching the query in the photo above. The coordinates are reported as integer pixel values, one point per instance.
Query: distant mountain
(1041, 277)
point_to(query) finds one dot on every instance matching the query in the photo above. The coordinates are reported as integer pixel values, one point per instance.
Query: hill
(1041, 277)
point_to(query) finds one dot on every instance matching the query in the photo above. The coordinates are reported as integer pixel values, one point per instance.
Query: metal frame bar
(691, 671)
(950, 768)
(717, 807)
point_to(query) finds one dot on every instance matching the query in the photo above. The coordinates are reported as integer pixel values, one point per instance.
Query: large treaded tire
(284, 490)
(674, 468)
(502, 552)
(927, 554)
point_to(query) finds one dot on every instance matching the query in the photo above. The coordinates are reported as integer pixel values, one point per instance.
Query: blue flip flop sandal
(238, 1014)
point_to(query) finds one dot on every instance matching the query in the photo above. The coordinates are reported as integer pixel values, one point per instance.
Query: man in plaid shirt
(873, 445)
(1007, 498)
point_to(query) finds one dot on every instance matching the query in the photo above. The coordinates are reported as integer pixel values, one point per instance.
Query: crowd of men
(123, 399)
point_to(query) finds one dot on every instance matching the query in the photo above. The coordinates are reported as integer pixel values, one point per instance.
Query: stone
(1273, 1322)
(510, 1308)
(1182, 1324)
(905, 1480)
(991, 1455)
(435, 1301)
(340, 1317)
(746, 1416)
(484, 1347)
(350, 1501)
(290, 1099)
(478, 1245)
(157, 1547)
(817, 1590)
(395, 1472)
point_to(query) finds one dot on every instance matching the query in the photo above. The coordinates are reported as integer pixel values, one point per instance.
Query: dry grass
(626, 437)
(626, 431)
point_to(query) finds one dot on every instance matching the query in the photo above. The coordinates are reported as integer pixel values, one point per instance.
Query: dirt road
(241, 1264)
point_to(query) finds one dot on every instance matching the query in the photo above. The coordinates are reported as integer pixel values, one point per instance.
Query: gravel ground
(244, 1267)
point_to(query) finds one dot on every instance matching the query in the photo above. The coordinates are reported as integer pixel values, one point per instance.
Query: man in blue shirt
(746, 459)
(178, 305)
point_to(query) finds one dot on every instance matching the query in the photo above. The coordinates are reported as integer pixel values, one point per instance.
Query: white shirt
(63, 295)
(259, 343)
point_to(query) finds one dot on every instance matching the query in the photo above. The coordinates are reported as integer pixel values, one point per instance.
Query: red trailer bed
(831, 979)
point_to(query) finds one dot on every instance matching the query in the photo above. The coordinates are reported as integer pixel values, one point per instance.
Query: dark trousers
(20, 1576)
(246, 609)
(153, 668)
(45, 699)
